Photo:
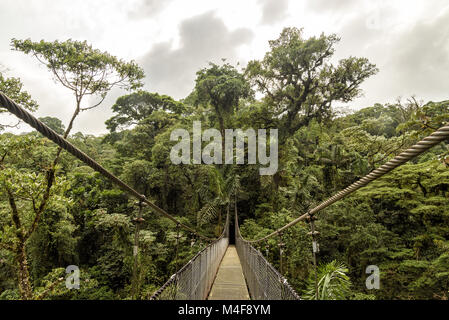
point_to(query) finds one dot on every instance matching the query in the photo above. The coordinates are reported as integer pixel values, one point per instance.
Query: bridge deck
(229, 283)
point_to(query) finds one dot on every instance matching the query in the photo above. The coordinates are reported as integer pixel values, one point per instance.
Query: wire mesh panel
(263, 280)
(194, 280)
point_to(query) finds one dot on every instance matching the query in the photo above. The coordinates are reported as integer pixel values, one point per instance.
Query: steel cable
(21, 113)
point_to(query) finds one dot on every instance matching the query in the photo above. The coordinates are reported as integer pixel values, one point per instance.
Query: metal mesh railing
(194, 280)
(263, 280)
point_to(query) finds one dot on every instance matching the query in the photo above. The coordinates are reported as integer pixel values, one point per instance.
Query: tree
(82, 69)
(54, 123)
(222, 191)
(22, 181)
(425, 118)
(85, 71)
(298, 81)
(13, 88)
(135, 107)
(140, 175)
(222, 87)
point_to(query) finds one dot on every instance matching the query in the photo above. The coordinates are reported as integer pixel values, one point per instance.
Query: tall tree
(221, 191)
(22, 186)
(82, 69)
(131, 109)
(298, 81)
(86, 72)
(222, 87)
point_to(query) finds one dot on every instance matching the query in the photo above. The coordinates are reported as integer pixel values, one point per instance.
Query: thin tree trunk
(23, 273)
(25, 289)
(135, 278)
(20, 251)
(219, 221)
(67, 131)
(221, 123)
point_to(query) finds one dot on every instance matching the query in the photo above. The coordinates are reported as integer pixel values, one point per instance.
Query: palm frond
(333, 283)
(208, 212)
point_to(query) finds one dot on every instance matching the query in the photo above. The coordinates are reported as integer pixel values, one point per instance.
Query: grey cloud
(273, 10)
(420, 58)
(412, 62)
(203, 38)
(358, 36)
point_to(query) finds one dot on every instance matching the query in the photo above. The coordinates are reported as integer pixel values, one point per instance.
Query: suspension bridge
(223, 271)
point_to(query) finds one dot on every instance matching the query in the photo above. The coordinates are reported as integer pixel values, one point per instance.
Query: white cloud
(173, 39)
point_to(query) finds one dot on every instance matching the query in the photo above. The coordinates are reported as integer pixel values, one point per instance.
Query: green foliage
(222, 87)
(54, 123)
(300, 83)
(333, 283)
(13, 88)
(427, 118)
(218, 195)
(133, 108)
(140, 174)
(80, 68)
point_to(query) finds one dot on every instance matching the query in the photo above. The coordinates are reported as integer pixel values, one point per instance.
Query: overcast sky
(172, 39)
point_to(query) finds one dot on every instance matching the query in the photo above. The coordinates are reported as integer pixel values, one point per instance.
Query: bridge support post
(177, 245)
(315, 249)
(281, 251)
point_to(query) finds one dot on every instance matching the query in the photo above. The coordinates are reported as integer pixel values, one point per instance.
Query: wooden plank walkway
(229, 283)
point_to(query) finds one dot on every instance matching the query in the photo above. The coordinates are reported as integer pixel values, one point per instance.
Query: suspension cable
(425, 144)
(21, 113)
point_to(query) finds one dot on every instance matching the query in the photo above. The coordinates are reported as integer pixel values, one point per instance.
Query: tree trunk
(25, 289)
(67, 131)
(23, 273)
(219, 221)
(221, 123)
(20, 252)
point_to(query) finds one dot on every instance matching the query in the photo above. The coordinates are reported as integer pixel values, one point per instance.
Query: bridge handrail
(263, 280)
(194, 280)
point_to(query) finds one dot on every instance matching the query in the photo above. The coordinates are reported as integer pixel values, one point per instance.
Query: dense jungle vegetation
(55, 211)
